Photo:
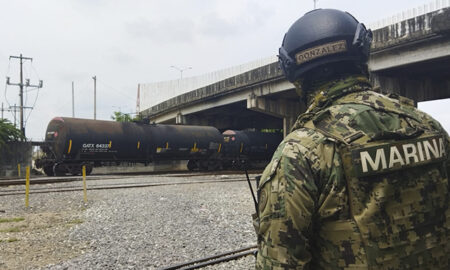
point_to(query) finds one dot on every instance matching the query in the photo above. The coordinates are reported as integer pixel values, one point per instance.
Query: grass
(10, 230)
(76, 221)
(17, 219)
(9, 240)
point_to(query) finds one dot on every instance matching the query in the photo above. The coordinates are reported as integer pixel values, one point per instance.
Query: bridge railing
(152, 94)
(410, 13)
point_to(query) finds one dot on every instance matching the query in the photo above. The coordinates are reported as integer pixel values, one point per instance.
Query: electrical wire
(6, 85)
(117, 91)
(6, 90)
(25, 75)
(122, 93)
(80, 92)
(31, 89)
(32, 107)
(37, 94)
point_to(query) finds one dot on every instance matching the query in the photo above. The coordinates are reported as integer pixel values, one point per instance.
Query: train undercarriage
(52, 168)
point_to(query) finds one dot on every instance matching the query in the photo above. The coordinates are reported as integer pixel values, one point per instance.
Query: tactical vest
(398, 193)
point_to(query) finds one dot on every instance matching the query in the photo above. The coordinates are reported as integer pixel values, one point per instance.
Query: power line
(32, 89)
(6, 85)
(117, 91)
(34, 104)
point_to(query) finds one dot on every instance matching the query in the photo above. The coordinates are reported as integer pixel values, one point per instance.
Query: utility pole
(95, 97)
(15, 110)
(21, 85)
(73, 101)
(315, 3)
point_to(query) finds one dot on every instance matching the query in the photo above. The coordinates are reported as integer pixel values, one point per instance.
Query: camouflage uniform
(360, 183)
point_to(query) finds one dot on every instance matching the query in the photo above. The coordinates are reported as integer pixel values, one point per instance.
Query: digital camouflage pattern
(317, 212)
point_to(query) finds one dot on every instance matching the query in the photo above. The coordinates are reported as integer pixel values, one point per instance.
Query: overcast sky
(124, 43)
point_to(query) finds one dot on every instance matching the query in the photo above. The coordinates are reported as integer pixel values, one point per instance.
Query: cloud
(251, 15)
(214, 26)
(125, 43)
(121, 57)
(167, 30)
(217, 21)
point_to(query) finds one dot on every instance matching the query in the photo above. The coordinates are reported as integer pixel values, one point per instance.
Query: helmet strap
(300, 90)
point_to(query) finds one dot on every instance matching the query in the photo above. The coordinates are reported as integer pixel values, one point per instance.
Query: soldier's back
(394, 161)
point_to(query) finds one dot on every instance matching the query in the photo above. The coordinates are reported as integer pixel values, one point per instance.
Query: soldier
(361, 182)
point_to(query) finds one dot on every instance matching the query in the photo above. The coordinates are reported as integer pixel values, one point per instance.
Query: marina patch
(398, 155)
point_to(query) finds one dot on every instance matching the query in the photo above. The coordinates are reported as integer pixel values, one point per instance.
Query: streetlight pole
(181, 70)
(95, 97)
(315, 3)
(73, 100)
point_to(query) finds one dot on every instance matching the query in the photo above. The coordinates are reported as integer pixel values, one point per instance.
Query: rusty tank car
(71, 143)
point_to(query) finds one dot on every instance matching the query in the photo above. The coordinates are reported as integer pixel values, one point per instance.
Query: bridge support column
(180, 119)
(286, 109)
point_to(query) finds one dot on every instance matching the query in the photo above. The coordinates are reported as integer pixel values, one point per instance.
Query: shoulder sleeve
(287, 201)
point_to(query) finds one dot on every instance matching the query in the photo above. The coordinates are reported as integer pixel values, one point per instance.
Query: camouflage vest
(397, 186)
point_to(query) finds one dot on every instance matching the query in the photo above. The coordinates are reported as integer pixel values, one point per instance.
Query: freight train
(71, 143)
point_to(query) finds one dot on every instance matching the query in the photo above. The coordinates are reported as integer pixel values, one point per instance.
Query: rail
(115, 186)
(61, 179)
(211, 260)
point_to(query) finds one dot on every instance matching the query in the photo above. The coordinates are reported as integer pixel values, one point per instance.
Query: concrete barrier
(13, 154)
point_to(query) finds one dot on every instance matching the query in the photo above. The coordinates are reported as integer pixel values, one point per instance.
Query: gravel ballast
(138, 228)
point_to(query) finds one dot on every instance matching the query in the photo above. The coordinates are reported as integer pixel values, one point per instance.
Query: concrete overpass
(410, 57)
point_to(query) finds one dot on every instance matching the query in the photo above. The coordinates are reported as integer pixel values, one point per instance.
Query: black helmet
(323, 36)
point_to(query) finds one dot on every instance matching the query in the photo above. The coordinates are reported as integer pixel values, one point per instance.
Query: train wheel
(89, 169)
(203, 165)
(48, 170)
(215, 165)
(192, 165)
(59, 170)
(75, 170)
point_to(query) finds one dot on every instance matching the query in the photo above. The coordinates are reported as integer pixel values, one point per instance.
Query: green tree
(9, 133)
(123, 117)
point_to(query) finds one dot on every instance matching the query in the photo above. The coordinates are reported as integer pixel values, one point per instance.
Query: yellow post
(84, 184)
(27, 186)
(18, 169)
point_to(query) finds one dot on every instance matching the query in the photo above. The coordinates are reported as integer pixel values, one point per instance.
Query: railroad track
(42, 180)
(219, 258)
(51, 180)
(115, 186)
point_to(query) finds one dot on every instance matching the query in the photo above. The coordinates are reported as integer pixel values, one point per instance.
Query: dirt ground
(33, 239)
